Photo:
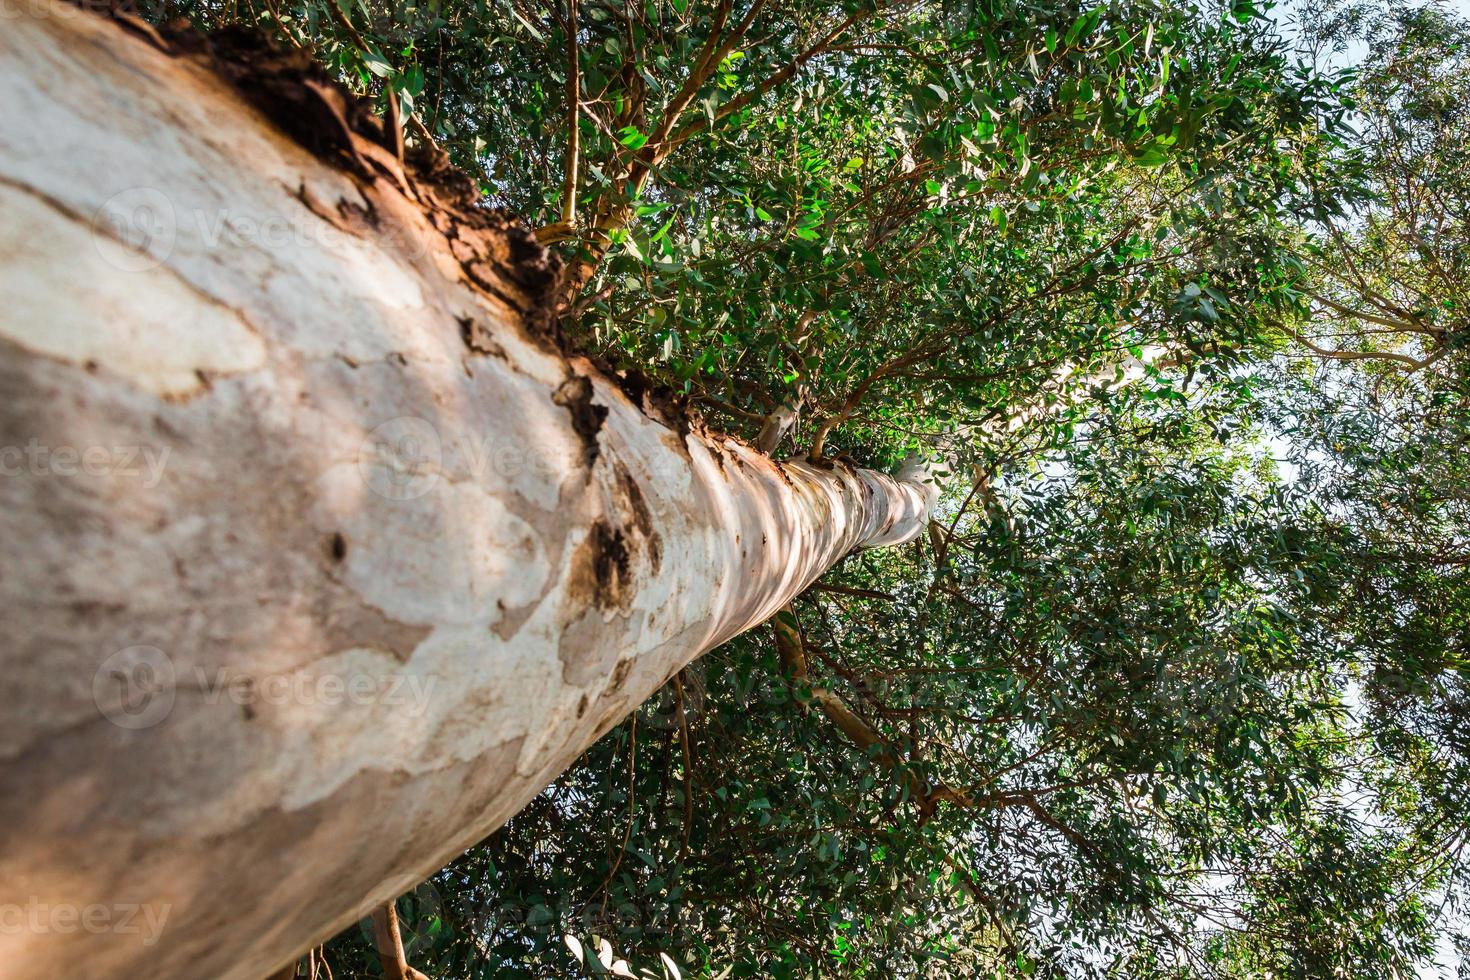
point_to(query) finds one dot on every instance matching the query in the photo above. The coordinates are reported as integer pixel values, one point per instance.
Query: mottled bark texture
(321, 557)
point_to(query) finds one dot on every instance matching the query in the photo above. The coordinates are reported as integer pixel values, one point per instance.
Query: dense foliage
(1177, 684)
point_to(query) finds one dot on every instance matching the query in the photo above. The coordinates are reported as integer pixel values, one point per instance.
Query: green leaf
(1075, 31)
(630, 137)
(1152, 156)
(377, 64)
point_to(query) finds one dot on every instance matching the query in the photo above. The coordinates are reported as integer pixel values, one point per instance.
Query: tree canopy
(1176, 293)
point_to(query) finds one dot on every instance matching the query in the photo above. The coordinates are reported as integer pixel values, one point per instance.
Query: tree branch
(390, 945)
(1414, 364)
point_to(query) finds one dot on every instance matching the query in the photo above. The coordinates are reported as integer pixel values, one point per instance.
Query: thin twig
(574, 128)
(628, 831)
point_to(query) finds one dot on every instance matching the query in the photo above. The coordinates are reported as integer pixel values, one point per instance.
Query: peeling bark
(400, 560)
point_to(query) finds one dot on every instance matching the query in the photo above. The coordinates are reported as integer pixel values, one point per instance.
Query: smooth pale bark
(320, 561)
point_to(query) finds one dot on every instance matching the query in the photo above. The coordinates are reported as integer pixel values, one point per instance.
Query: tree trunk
(322, 559)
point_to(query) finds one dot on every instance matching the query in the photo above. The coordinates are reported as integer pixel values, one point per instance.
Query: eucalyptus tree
(876, 226)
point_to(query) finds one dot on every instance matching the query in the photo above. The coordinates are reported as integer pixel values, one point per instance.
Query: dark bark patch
(621, 549)
(501, 256)
(640, 522)
(619, 675)
(575, 395)
(141, 28)
(337, 547)
(602, 569)
(288, 86)
(670, 408)
(477, 337)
